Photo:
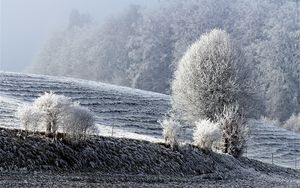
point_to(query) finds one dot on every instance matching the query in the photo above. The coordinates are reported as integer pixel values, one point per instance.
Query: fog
(26, 25)
(141, 46)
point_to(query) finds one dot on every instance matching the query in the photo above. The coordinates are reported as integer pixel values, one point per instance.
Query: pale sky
(26, 24)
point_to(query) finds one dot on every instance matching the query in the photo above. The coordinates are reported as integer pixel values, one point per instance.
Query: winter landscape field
(129, 113)
(140, 93)
(134, 113)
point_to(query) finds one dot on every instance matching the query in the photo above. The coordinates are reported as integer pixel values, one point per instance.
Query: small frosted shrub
(206, 134)
(78, 123)
(234, 130)
(30, 117)
(267, 121)
(53, 107)
(170, 131)
(293, 123)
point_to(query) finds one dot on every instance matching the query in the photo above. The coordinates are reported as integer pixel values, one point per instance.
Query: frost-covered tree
(170, 131)
(206, 134)
(53, 107)
(293, 123)
(280, 96)
(149, 53)
(30, 117)
(209, 76)
(234, 130)
(277, 55)
(281, 81)
(78, 123)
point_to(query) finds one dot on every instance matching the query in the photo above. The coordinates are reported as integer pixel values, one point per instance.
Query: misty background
(139, 43)
(27, 24)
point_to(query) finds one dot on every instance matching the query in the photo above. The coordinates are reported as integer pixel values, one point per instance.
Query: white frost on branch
(293, 123)
(170, 131)
(79, 122)
(234, 130)
(30, 117)
(206, 134)
(208, 77)
(53, 108)
(52, 113)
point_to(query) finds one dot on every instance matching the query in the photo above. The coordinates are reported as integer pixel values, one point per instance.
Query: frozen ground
(37, 161)
(131, 113)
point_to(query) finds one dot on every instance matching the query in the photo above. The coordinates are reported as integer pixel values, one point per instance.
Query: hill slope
(130, 160)
(133, 113)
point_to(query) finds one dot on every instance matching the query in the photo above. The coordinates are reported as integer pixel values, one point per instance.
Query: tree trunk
(226, 145)
(48, 128)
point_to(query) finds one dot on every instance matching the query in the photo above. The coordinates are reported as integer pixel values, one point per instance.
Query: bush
(170, 131)
(234, 130)
(268, 121)
(53, 108)
(293, 123)
(78, 123)
(30, 117)
(206, 134)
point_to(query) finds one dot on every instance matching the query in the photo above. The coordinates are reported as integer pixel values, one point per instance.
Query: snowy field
(125, 112)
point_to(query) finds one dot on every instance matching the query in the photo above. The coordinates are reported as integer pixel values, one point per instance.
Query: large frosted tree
(210, 76)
